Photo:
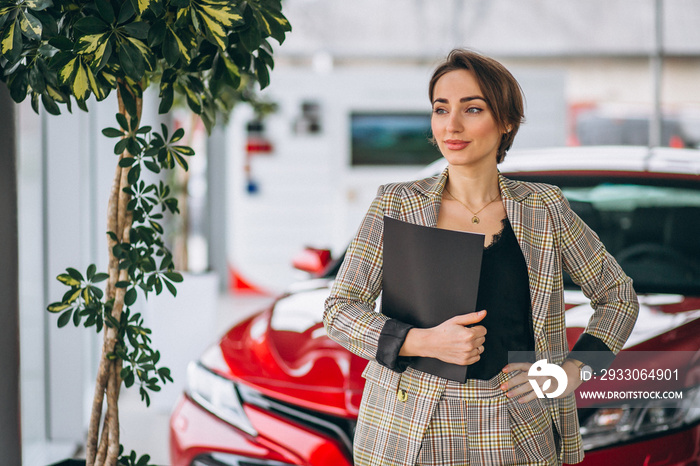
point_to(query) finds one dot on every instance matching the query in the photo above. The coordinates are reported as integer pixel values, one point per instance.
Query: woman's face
(462, 123)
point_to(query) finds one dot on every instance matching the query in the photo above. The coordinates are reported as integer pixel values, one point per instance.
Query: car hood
(284, 351)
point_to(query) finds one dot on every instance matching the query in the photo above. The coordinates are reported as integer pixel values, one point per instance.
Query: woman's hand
(452, 341)
(519, 386)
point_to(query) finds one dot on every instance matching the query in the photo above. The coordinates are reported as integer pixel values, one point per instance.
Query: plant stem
(119, 222)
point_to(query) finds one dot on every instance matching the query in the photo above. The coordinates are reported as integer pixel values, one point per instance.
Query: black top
(504, 291)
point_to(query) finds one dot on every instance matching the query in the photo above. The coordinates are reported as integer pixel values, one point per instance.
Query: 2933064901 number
(638, 374)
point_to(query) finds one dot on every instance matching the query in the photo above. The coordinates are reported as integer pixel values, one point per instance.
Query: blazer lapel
(533, 229)
(424, 209)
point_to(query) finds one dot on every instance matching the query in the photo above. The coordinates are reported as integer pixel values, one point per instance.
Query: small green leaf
(50, 105)
(152, 166)
(184, 150)
(126, 162)
(130, 296)
(134, 174)
(171, 287)
(57, 307)
(262, 73)
(64, 318)
(100, 277)
(113, 132)
(75, 274)
(76, 319)
(120, 147)
(167, 96)
(121, 119)
(177, 135)
(128, 100)
(91, 271)
(68, 280)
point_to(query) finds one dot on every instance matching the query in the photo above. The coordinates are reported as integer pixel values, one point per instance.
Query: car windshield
(649, 225)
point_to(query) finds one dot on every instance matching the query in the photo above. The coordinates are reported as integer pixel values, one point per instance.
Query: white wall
(309, 194)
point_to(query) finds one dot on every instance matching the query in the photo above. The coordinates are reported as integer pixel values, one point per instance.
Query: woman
(410, 417)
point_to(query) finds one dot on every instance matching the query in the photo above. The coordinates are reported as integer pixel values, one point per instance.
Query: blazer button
(402, 395)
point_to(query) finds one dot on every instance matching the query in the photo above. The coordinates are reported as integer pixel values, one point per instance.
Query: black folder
(430, 276)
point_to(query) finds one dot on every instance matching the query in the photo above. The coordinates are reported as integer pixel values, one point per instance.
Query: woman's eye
(439, 111)
(473, 110)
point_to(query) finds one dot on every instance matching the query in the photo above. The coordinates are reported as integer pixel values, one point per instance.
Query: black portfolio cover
(430, 276)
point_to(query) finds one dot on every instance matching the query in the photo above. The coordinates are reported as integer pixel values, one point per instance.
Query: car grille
(336, 427)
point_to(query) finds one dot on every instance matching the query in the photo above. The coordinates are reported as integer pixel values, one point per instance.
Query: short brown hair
(501, 90)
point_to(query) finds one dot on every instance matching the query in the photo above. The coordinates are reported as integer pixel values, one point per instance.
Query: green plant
(63, 52)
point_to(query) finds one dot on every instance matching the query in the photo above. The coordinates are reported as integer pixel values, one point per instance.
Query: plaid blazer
(552, 238)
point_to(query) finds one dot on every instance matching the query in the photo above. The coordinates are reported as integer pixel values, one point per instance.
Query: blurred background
(348, 111)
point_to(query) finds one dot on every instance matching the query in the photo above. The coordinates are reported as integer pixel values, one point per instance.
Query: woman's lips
(456, 144)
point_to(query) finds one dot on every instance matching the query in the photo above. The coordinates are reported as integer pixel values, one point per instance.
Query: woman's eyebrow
(462, 100)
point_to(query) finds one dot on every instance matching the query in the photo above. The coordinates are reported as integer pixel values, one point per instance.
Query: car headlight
(217, 395)
(610, 425)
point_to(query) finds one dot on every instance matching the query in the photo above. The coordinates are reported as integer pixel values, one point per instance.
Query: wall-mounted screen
(392, 139)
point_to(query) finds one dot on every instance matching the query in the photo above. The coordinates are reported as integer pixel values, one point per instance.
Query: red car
(277, 391)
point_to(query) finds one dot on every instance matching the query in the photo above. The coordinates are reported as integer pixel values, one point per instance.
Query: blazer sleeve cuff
(592, 351)
(391, 340)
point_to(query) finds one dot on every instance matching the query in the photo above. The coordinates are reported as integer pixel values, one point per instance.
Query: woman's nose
(454, 124)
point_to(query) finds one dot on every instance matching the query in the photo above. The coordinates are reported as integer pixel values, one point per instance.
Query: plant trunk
(181, 248)
(102, 447)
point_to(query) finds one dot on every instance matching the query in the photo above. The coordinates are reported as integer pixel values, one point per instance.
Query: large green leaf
(156, 34)
(105, 10)
(19, 85)
(92, 43)
(50, 105)
(145, 51)
(218, 17)
(174, 48)
(167, 95)
(137, 29)
(277, 23)
(30, 25)
(91, 25)
(75, 75)
(36, 79)
(131, 60)
(144, 4)
(38, 5)
(125, 13)
(11, 42)
(262, 73)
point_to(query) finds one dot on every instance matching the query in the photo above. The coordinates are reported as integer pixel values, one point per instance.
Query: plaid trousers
(471, 424)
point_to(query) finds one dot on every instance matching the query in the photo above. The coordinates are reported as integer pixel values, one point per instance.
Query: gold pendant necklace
(475, 216)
